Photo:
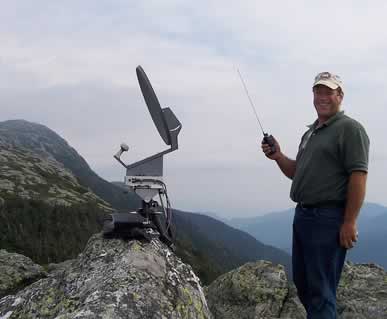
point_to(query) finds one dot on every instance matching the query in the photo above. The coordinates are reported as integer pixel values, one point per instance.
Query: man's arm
(287, 165)
(355, 197)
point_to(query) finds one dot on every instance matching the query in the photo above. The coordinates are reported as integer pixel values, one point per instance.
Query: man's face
(326, 101)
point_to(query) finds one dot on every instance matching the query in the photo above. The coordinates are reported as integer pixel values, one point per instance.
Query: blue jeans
(317, 259)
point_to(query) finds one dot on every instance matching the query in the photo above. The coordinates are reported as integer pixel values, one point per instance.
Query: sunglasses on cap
(327, 76)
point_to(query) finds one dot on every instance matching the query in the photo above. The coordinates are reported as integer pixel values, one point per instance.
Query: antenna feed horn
(123, 148)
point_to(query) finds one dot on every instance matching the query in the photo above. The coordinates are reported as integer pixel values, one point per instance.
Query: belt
(324, 204)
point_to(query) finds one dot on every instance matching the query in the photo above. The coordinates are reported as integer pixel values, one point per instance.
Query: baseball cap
(328, 79)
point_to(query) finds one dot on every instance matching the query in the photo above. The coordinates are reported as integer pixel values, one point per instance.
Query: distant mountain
(371, 246)
(225, 246)
(46, 143)
(41, 228)
(28, 175)
(276, 229)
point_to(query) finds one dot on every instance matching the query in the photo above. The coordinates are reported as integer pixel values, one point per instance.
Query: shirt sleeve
(355, 148)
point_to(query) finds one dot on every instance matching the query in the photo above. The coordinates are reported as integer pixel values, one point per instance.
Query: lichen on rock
(16, 272)
(254, 290)
(114, 278)
(260, 290)
(362, 292)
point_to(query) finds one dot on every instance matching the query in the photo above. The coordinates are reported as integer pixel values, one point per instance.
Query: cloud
(71, 66)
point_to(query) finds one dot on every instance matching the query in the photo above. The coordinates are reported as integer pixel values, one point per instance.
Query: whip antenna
(268, 139)
(250, 100)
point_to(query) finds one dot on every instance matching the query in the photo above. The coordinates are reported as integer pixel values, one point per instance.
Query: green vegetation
(52, 234)
(47, 233)
(201, 264)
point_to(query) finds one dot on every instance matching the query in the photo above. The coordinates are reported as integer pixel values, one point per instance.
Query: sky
(70, 65)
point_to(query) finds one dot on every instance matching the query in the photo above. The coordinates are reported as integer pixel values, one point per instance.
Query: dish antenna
(145, 178)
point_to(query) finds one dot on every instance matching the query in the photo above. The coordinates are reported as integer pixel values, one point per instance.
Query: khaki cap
(328, 79)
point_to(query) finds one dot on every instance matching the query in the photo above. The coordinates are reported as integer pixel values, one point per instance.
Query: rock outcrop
(261, 291)
(362, 292)
(130, 279)
(32, 176)
(113, 279)
(16, 272)
(257, 290)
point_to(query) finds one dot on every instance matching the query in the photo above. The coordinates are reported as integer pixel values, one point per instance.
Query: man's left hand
(348, 235)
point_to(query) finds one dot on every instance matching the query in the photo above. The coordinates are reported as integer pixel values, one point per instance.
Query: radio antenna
(251, 101)
(268, 139)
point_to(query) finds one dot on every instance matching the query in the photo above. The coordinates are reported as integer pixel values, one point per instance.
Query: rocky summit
(113, 278)
(261, 291)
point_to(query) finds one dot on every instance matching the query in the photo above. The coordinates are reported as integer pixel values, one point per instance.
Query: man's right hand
(287, 166)
(267, 149)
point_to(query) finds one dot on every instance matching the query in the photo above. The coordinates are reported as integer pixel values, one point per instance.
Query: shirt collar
(334, 118)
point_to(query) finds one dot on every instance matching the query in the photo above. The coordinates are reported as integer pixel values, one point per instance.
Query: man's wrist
(280, 156)
(349, 220)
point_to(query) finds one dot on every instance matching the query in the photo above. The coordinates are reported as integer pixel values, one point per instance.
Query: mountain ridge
(48, 144)
(276, 229)
(209, 255)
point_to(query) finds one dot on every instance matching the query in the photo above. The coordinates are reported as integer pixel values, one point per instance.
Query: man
(328, 184)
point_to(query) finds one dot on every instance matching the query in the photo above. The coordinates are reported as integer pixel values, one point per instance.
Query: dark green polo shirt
(326, 157)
